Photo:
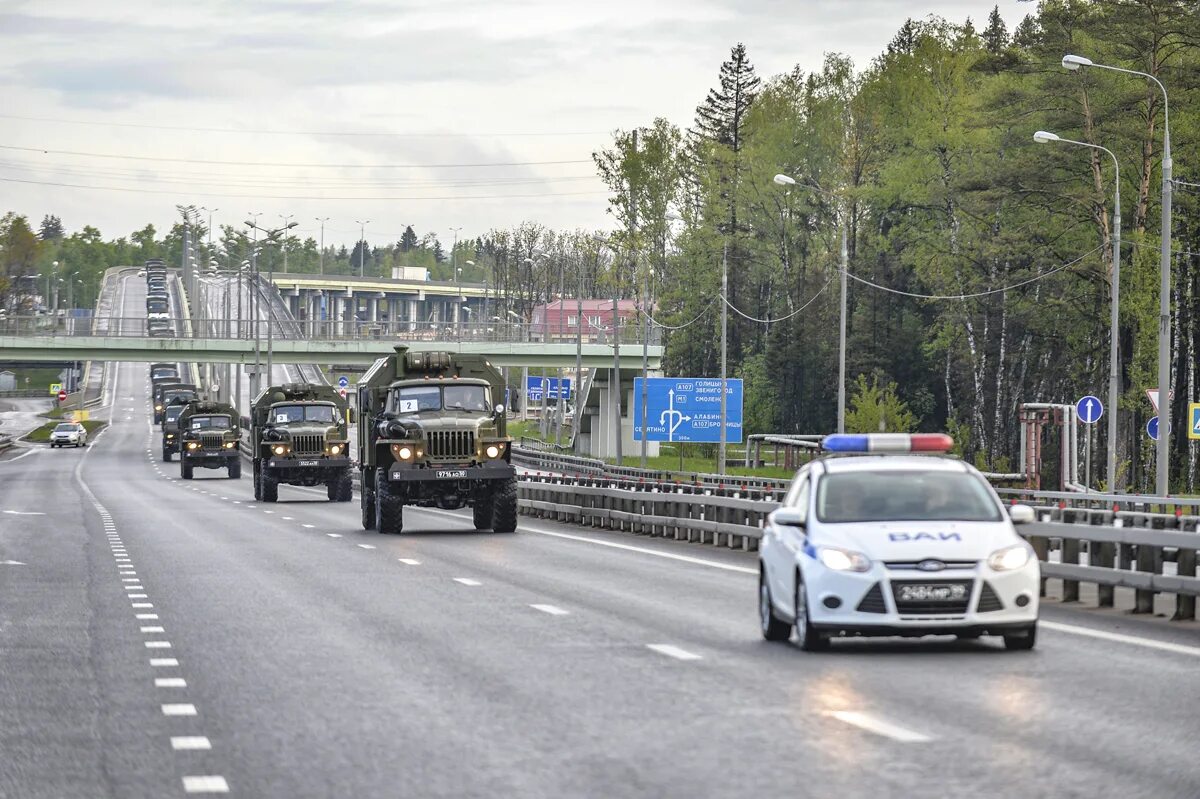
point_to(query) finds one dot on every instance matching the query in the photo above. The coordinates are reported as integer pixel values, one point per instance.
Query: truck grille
(451, 445)
(310, 444)
(212, 441)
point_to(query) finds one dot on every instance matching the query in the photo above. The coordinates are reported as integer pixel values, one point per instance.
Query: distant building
(8, 381)
(559, 320)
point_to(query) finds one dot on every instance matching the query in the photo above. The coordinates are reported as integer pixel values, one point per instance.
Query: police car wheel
(773, 628)
(807, 637)
(1022, 641)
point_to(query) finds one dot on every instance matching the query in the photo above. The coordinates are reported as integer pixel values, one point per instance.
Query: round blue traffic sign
(1152, 428)
(1089, 409)
(343, 381)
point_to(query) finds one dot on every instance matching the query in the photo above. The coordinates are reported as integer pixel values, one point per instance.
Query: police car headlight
(844, 560)
(1009, 558)
(279, 449)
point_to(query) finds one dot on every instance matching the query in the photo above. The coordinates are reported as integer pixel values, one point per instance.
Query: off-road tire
(166, 455)
(342, 488)
(482, 512)
(235, 467)
(389, 510)
(257, 479)
(270, 486)
(504, 507)
(185, 468)
(366, 501)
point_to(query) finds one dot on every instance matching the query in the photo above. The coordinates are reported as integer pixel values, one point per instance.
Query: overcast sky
(377, 92)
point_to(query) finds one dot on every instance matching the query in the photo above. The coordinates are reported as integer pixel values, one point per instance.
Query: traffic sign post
(1089, 409)
(1194, 420)
(62, 395)
(688, 409)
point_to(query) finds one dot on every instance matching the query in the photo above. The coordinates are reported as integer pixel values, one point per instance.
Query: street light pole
(362, 243)
(1114, 362)
(458, 282)
(271, 235)
(286, 220)
(253, 301)
(1162, 470)
(321, 254)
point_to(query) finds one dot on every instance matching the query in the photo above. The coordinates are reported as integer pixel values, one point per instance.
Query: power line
(697, 318)
(810, 301)
(1034, 279)
(157, 159)
(338, 133)
(296, 197)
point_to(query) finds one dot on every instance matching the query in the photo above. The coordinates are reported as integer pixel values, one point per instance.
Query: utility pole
(724, 349)
(321, 254)
(253, 300)
(286, 219)
(458, 299)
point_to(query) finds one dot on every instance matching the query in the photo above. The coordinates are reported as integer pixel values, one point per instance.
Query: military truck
(430, 434)
(159, 371)
(170, 429)
(208, 438)
(299, 436)
(172, 393)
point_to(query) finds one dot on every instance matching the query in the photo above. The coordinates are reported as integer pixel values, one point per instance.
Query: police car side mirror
(790, 517)
(1021, 514)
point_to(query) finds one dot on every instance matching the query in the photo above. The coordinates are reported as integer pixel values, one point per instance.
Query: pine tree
(721, 117)
(995, 35)
(905, 40)
(51, 228)
(408, 242)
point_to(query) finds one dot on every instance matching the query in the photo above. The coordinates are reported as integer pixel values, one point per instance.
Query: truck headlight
(229, 444)
(279, 449)
(193, 445)
(494, 450)
(158, 407)
(844, 560)
(335, 449)
(1009, 558)
(402, 452)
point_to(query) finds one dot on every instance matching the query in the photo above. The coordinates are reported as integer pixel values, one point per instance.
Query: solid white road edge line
(865, 721)
(1149, 643)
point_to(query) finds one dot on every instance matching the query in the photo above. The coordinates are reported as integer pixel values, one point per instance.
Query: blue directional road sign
(687, 409)
(535, 385)
(1089, 409)
(1152, 428)
(343, 382)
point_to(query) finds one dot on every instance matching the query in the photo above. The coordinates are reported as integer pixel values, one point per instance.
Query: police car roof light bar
(887, 442)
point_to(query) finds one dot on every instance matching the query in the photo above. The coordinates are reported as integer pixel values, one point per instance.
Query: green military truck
(208, 438)
(431, 434)
(165, 393)
(170, 429)
(299, 436)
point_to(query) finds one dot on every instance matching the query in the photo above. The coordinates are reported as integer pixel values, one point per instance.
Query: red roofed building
(559, 320)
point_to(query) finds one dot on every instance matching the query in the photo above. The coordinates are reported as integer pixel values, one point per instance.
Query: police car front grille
(989, 602)
(451, 445)
(309, 444)
(872, 601)
(911, 565)
(932, 608)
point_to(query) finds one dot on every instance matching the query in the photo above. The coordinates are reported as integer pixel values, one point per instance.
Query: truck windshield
(173, 413)
(209, 423)
(414, 399)
(282, 414)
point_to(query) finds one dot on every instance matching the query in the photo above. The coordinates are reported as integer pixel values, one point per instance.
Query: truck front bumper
(488, 470)
(307, 464)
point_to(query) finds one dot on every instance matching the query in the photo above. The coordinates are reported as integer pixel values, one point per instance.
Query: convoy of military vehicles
(431, 432)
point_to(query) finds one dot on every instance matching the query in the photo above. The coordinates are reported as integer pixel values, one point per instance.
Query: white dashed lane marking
(467, 581)
(365, 546)
(163, 662)
(206, 784)
(157, 644)
(190, 743)
(865, 721)
(151, 629)
(170, 682)
(179, 710)
(409, 561)
(673, 652)
(307, 526)
(551, 609)
(334, 535)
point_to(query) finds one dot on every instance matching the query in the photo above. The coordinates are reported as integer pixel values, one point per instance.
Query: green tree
(875, 408)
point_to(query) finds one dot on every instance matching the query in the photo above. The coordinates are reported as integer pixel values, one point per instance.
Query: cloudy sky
(435, 113)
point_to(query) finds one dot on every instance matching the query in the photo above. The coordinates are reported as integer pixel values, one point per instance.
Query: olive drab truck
(299, 436)
(208, 438)
(431, 433)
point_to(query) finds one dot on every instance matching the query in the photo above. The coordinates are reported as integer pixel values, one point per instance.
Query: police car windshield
(415, 399)
(65, 428)
(209, 422)
(884, 496)
(283, 414)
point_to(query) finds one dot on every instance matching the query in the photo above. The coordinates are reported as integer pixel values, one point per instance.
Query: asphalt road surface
(160, 637)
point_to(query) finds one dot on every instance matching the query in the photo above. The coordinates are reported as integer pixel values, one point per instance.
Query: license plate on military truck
(451, 474)
(309, 463)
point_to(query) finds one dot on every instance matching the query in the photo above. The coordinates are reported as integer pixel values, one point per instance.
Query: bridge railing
(217, 327)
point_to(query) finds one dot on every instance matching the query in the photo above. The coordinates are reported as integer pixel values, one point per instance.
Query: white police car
(895, 544)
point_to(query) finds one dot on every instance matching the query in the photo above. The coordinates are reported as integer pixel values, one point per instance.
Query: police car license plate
(932, 592)
(308, 463)
(451, 473)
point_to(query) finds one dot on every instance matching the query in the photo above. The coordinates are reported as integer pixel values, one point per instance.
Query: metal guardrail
(5, 441)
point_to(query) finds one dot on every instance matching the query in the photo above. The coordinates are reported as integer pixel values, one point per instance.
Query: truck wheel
(257, 479)
(482, 512)
(270, 487)
(504, 507)
(185, 468)
(389, 510)
(166, 455)
(366, 500)
(345, 488)
(235, 467)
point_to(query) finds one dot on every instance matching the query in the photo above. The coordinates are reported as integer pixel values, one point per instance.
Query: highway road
(163, 637)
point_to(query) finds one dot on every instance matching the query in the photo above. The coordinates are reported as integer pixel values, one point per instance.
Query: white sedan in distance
(878, 539)
(68, 434)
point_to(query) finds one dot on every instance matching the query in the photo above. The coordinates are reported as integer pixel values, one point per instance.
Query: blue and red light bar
(887, 442)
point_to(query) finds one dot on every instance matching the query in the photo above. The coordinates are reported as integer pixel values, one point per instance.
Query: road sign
(62, 395)
(343, 382)
(215, 387)
(1194, 420)
(1152, 393)
(535, 385)
(687, 409)
(1152, 428)
(55, 388)
(1090, 409)
(342, 393)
